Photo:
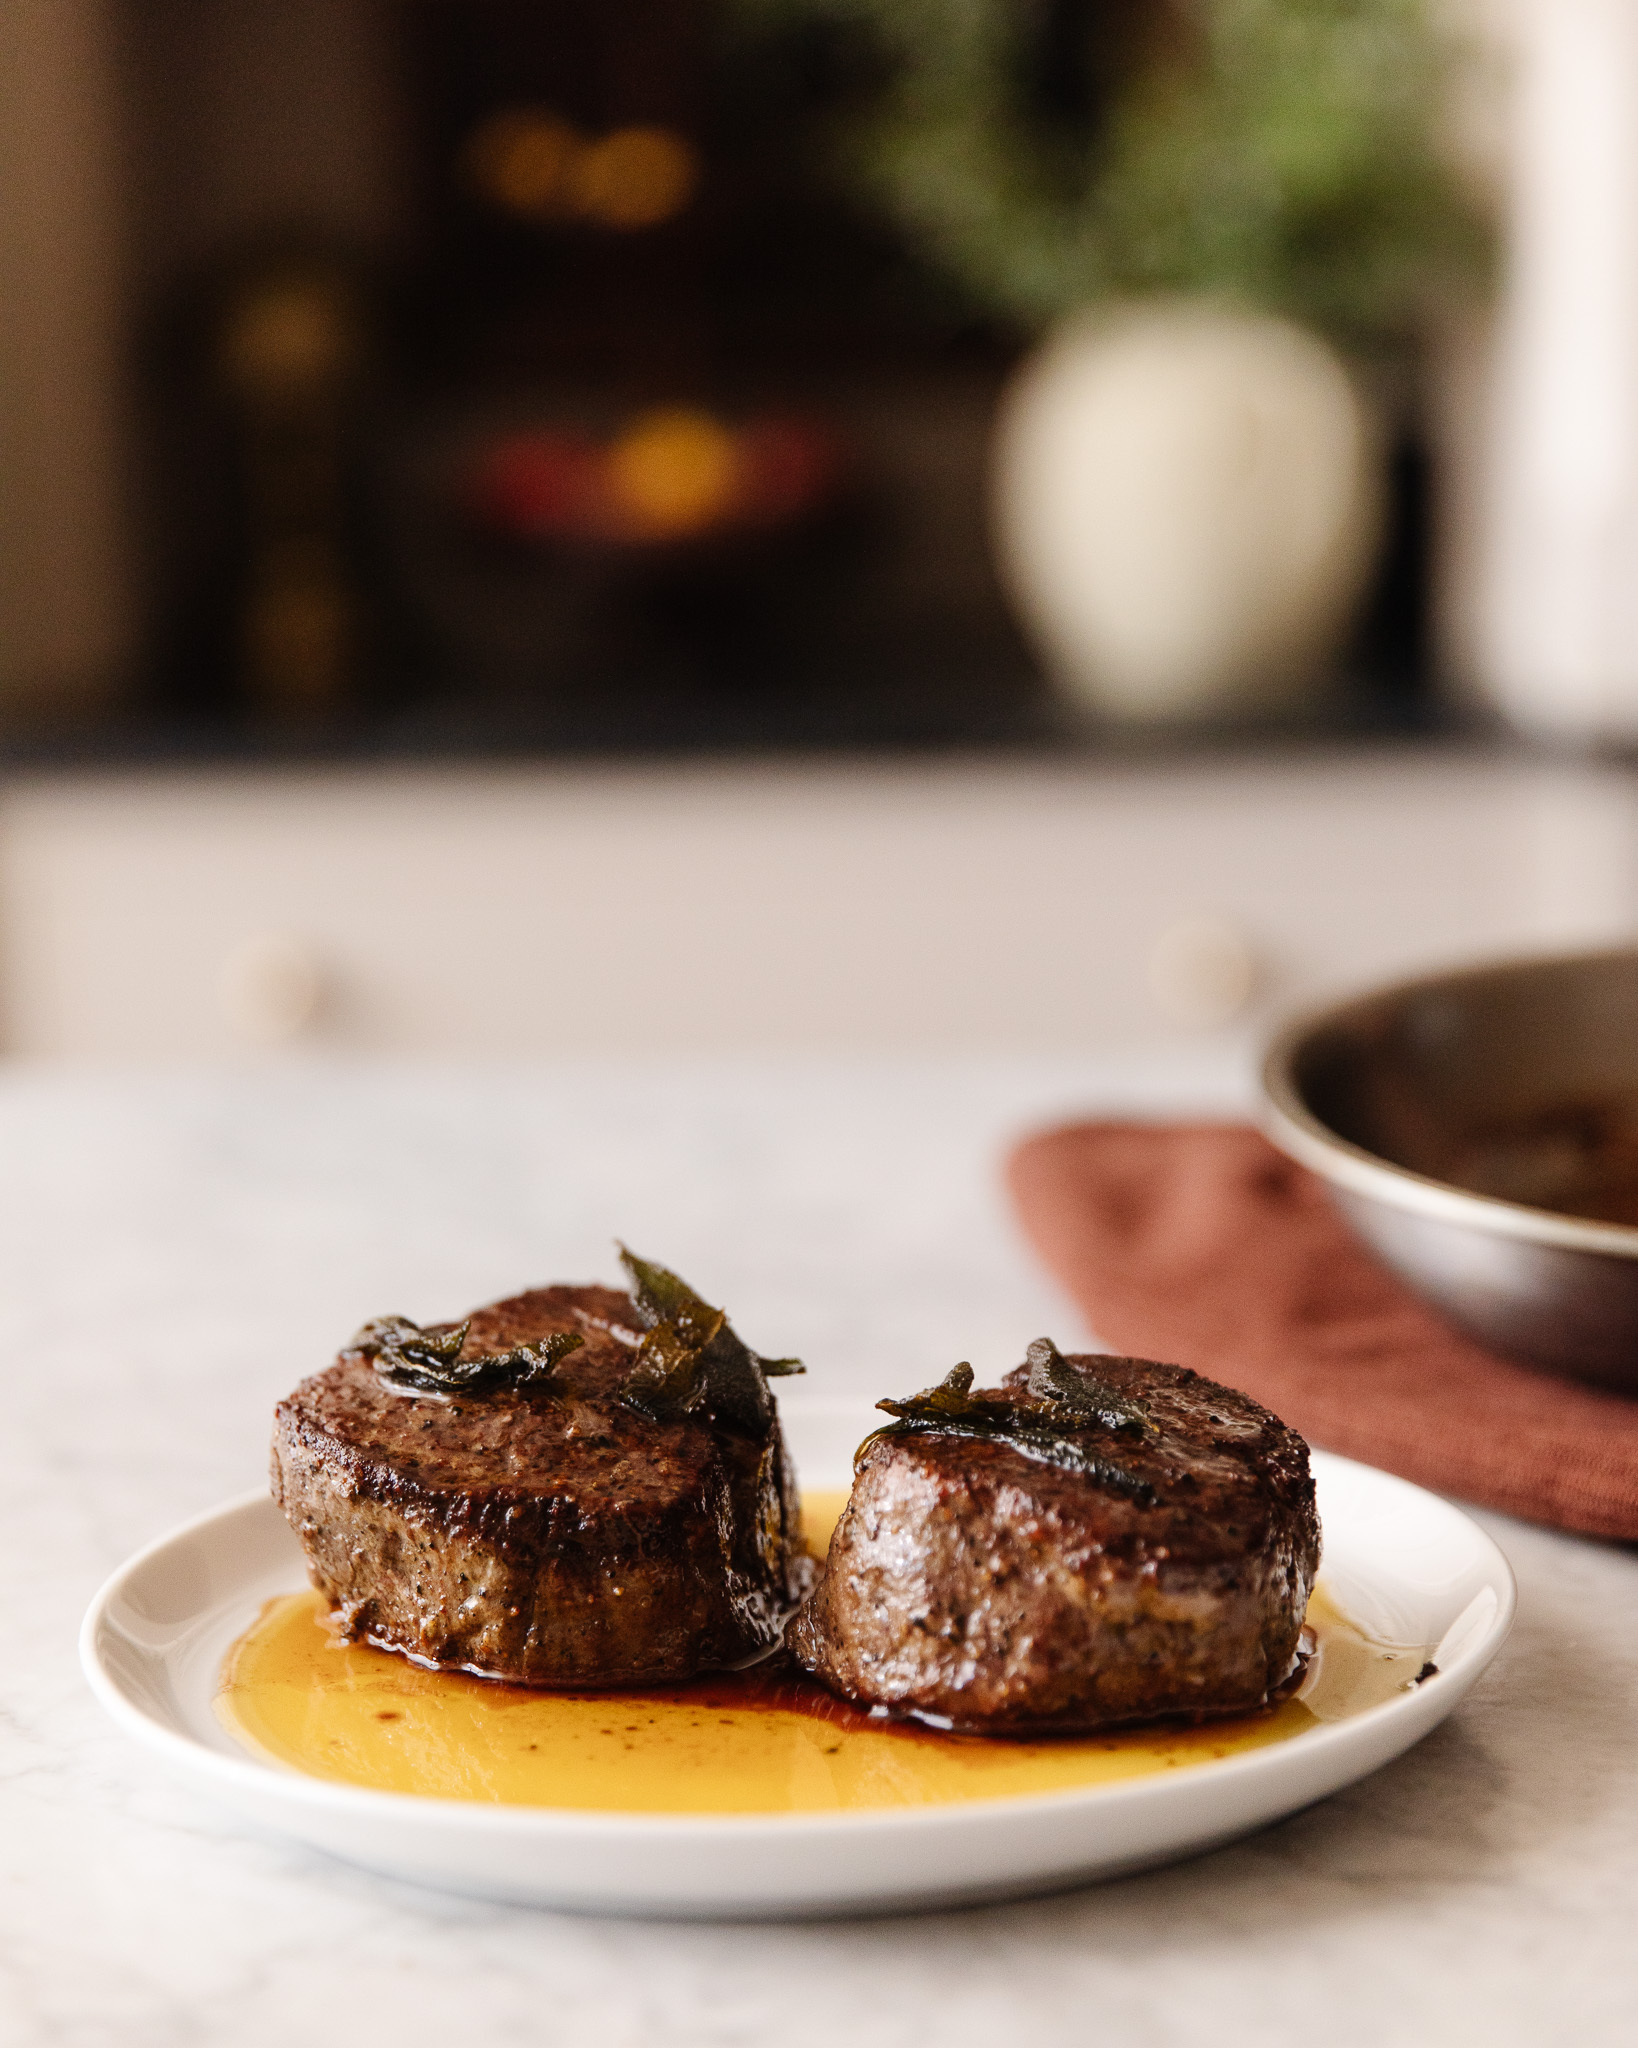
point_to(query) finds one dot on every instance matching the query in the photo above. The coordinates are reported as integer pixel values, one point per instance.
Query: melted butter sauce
(759, 1741)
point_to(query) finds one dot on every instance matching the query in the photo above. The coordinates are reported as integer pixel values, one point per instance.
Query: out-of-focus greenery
(1284, 153)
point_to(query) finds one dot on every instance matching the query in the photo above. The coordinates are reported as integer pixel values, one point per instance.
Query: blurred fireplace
(445, 373)
(501, 368)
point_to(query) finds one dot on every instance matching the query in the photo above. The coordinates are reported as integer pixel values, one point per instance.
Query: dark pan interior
(1519, 1082)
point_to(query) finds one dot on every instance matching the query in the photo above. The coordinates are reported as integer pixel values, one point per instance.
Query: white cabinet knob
(271, 988)
(1202, 971)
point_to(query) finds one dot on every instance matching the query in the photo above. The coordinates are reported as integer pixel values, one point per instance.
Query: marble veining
(175, 1250)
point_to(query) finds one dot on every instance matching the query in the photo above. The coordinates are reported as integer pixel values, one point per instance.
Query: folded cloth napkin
(1202, 1245)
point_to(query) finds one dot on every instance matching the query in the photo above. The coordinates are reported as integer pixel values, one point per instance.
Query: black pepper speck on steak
(978, 1587)
(544, 1533)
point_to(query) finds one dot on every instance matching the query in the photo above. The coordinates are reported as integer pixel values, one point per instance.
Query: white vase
(1187, 502)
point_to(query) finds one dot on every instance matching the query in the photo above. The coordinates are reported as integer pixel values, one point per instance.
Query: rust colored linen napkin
(1202, 1245)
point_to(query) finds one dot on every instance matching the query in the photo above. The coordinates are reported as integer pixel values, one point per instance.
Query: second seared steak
(584, 1488)
(1099, 1541)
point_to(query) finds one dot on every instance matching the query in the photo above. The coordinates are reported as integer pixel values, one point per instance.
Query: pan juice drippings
(765, 1740)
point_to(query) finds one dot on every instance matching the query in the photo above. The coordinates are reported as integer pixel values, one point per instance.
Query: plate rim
(259, 1776)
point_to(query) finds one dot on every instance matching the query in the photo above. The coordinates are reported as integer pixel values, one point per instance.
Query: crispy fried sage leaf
(1069, 1393)
(1039, 1428)
(430, 1361)
(691, 1361)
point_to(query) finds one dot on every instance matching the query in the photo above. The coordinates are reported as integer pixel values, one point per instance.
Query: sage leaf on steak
(691, 1360)
(430, 1362)
(1051, 1430)
(1069, 1393)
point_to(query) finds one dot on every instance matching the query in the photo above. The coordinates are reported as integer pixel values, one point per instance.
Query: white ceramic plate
(1404, 1565)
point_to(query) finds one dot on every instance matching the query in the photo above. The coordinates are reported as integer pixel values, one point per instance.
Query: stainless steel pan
(1480, 1129)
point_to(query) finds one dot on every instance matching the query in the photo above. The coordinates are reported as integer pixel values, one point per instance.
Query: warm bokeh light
(670, 474)
(288, 335)
(534, 165)
(674, 471)
(635, 177)
(519, 159)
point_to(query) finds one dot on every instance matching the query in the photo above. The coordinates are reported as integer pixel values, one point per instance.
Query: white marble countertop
(176, 1251)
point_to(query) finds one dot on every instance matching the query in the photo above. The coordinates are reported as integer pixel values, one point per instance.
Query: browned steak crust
(976, 1586)
(547, 1535)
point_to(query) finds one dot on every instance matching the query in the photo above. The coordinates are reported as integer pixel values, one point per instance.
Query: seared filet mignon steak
(1097, 1541)
(578, 1487)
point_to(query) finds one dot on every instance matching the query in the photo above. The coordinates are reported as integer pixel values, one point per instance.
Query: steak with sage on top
(1096, 1542)
(577, 1487)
